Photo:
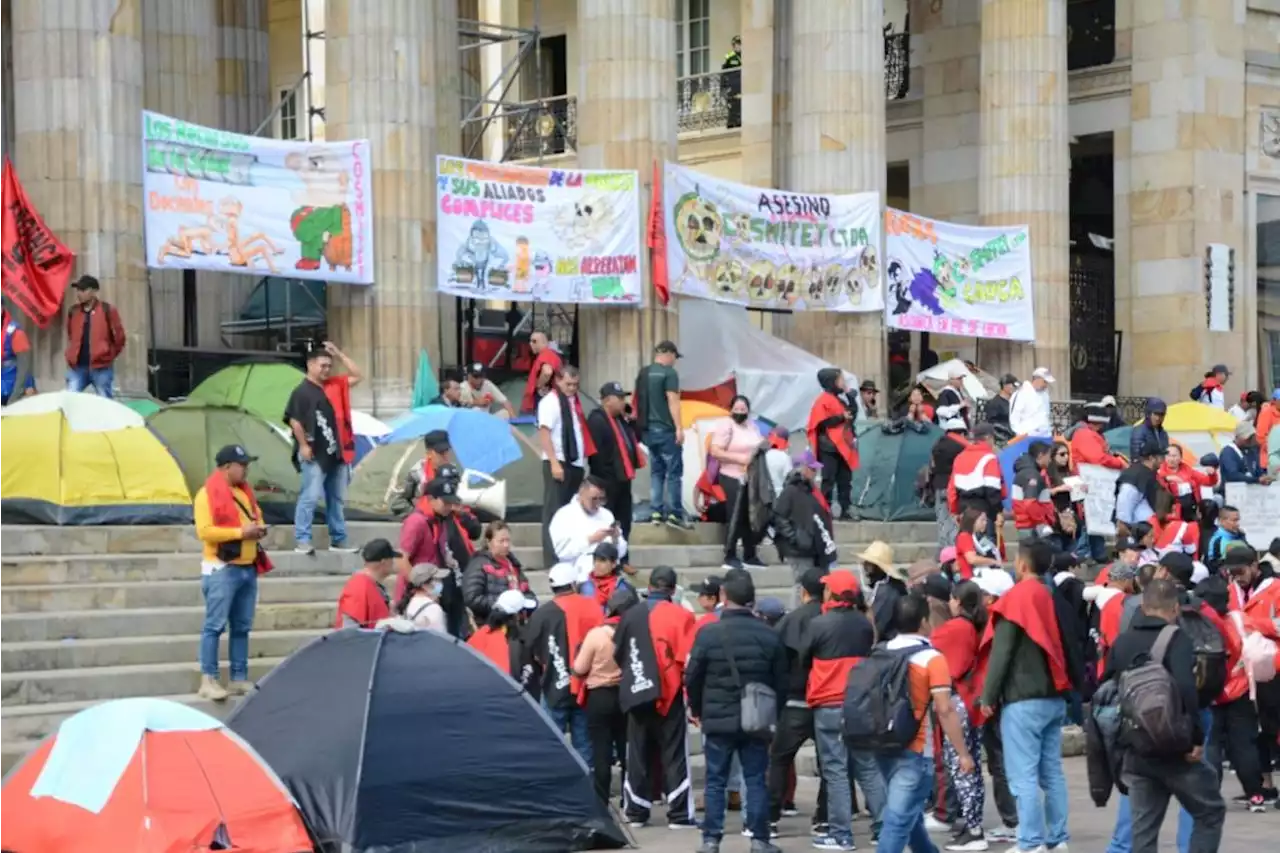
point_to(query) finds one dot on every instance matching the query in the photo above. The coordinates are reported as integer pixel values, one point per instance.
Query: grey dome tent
(414, 743)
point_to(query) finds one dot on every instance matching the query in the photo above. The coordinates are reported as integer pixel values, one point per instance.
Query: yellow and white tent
(1200, 429)
(70, 461)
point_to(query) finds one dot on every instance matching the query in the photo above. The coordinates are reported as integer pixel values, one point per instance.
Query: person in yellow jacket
(229, 524)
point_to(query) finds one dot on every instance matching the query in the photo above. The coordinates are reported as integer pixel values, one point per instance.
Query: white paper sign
(1259, 511)
(1099, 499)
(215, 200)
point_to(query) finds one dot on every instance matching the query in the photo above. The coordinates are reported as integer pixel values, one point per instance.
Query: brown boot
(210, 689)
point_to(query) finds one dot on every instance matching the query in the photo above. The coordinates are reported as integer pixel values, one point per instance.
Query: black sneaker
(655, 518)
(754, 563)
(638, 820)
(819, 829)
(679, 823)
(678, 522)
(1270, 795)
(731, 563)
(789, 810)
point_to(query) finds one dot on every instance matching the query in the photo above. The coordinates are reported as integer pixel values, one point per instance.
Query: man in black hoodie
(1152, 779)
(802, 523)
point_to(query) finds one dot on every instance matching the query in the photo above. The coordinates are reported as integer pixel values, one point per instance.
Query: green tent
(144, 406)
(1118, 440)
(260, 388)
(194, 432)
(890, 458)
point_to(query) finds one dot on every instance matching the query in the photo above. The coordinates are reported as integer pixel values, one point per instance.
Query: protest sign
(524, 234)
(1259, 511)
(770, 248)
(958, 279)
(223, 201)
(1099, 499)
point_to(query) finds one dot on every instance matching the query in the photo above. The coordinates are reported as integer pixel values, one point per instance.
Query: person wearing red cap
(837, 641)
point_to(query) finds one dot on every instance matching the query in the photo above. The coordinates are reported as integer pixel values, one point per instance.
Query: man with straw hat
(887, 582)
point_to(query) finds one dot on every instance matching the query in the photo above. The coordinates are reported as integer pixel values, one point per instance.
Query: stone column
(950, 39)
(626, 120)
(78, 152)
(838, 146)
(392, 77)
(1025, 168)
(1186, 188)
(759, 92)
(180, 80)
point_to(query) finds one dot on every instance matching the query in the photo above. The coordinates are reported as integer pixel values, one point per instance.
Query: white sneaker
(1016, 849)
(932, 824)
(1002, 833)
(304, 548)
(976, 845)
(344, 548)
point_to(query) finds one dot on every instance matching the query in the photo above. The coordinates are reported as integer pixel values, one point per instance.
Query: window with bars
(288, 115)
(693, 37)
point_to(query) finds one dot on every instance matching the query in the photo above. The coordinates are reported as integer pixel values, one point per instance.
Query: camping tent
(1198, 429)
(53, 474)
(419, 743)
(262, 388)
(194, 432)
(890, 456)
(80, 412)
(978, 384)
(144, 406)
(720, 345)
(147, 774)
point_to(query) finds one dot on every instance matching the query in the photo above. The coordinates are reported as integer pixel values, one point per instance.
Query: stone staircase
(94, 613)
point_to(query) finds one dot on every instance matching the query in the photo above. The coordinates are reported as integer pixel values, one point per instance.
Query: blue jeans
(1032, 735)
(230, 596)
(836, 761)
(101, 378)
(666, 468)
(574, 721)
(1214, 761)
(909, 778)
(1122, 835)
(332, 486)
(720, 751)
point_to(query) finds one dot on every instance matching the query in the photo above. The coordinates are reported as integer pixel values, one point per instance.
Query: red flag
(657, 240)
(36, 265)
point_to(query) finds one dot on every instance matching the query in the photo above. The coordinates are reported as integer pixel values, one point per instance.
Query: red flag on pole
(36, 265)
(657, 240)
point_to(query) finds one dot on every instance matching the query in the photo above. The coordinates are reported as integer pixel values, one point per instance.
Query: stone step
(36, 539)
(127, 651)
(33, 722)
(130, 595)
(150, 622)
(110, 682)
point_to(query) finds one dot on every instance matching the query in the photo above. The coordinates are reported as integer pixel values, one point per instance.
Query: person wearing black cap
(618, 455)
(437, 533)
(95, 339)
(423, 471)
(479, 392)
(364, 600)
(652, 645)
(1137, 487)
(657, 411)
(229, 525)
(1151, 430)
(996, 410)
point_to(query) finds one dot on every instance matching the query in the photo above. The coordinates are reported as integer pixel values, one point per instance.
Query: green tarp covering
(884, 486)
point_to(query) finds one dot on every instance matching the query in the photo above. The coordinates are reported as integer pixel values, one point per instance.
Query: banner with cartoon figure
(958, 279)
(767, 248)
(524, 234)
(222, 201)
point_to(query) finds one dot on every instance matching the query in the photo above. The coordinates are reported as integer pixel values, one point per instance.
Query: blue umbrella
(481, 441)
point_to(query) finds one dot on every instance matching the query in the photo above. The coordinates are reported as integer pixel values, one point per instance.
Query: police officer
(731, 81)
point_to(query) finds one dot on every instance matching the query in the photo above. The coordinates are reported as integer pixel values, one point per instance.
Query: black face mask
(739, 417)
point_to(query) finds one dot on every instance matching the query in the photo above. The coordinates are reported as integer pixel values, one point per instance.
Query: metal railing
(1067, 412)
(541, 128)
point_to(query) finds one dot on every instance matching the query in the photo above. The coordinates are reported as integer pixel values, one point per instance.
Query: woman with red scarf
(606, 578)
(618, 455)
(229, 524)
(491, 572)
(602, 678)
(1184, 482)
(831, 437)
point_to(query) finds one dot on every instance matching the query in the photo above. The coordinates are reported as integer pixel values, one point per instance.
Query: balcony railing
(897, 65)
(1091, 33)
(541, 128)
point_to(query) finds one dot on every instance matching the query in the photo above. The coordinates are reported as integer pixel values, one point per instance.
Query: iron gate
(1095, 346)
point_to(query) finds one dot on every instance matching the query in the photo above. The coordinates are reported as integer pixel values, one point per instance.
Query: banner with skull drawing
(215, 200)
(525, 234)
(767, 248)
(958, 279)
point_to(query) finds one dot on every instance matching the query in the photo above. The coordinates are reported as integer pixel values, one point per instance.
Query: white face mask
(436, 588)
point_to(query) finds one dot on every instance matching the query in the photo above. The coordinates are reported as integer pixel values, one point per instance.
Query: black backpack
(1210, 654)
(878, 714)
(1153, 721)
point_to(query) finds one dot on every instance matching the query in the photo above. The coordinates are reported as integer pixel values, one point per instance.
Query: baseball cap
(513, 601)
(1239, 556)
(668, 346)
(1096, 413)
(1244, 429)
(437, 440)
(1108, 400)
(811, 581)
(937, 586)
(423, 573)
(377, 550)
(1008, 379)
(663, 577)
(475, 369)
(840, 582)
(1275, 395)
(562, 574)
(984, 430)
(606, 551)
(709, 585)
(233, 453)
(1221, 368)
(994, 582)
(1180, 565)
(612, 389)
(770, 609)
(1043, 373)
(86, 282)
(444, 489)
(806, 460)
(1128, 543)
(947, 554)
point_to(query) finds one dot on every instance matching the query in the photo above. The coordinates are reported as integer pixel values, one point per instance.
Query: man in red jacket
(95, 339)
(976, 479)
(1088, 446)
(1032, 503)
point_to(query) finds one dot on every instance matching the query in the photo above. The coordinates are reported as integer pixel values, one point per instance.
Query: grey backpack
(1153, 721)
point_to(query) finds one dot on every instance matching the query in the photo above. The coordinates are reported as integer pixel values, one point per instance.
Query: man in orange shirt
(1268, 417)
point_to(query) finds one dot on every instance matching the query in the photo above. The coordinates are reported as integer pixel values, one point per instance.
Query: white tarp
(719, 342)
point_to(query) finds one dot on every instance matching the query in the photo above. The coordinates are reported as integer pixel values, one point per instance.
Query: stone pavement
(1090, 826)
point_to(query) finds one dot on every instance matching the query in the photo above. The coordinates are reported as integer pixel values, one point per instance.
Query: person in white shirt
(478, 392)
(420, 604)
(1212, 391)
(1247, 408)
(777, 459)
(1029, 412)
(582, 524)
(565, 444)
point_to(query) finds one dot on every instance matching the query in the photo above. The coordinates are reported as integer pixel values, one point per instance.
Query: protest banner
(1259, 511)
(222, 201)
(1099, 499)
(523, 234)
(36, 265)
(768, 248)
(957, 279)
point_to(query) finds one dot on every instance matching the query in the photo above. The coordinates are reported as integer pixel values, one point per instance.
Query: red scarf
(822, 501)
(530, 400)
(588, 445)
(604, 587)
(828, 406)
(222, 503)
(1029, 605)
(628, 469)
